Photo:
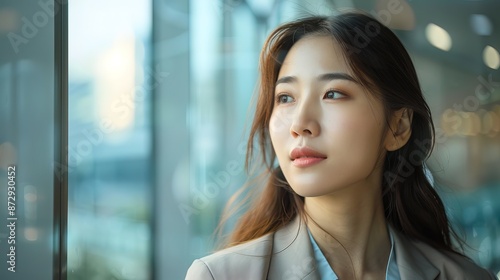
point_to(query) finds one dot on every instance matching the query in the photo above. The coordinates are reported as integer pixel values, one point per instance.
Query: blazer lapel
(411, 263)
(293, 256)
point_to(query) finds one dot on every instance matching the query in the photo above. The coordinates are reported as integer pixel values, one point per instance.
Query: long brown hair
(380, 61)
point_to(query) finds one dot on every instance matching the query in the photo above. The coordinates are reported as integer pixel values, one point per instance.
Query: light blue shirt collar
(326, 271)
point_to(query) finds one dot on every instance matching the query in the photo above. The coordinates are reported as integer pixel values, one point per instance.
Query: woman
(341, 110)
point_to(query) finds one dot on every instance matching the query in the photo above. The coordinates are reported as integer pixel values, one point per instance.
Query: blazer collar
(293, 256)
(412, 264)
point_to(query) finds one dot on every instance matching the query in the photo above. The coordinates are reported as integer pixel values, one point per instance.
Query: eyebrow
(324, 78)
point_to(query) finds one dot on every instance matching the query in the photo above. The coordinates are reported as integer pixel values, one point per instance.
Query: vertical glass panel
(110, 140)
(27, 130)
(173, 173)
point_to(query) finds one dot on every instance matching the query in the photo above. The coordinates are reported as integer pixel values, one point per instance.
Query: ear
(400, 129)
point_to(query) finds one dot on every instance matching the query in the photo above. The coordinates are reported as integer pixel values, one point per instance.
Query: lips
(305, 152)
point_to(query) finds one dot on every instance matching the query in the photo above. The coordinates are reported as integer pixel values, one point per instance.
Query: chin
(310, 190)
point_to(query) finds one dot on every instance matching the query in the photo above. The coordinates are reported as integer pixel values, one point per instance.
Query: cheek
(355, 138)
(360, 129)
(279, 132)
(355, 126)
(279, 123)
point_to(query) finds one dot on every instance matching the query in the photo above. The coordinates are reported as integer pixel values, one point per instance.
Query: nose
(305, 121)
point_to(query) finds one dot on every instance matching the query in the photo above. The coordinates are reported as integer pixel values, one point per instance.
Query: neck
(351, 231)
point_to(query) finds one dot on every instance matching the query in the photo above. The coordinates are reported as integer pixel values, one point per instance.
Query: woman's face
(320, 106)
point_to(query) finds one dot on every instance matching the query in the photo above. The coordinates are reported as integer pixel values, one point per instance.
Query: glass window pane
(110, 140)
(28, 127)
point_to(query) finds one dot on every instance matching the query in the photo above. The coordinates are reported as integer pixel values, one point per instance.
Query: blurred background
(159, 94)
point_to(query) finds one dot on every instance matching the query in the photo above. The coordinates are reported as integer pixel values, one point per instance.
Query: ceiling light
(438, 37)
(491, 57)
(481, 24)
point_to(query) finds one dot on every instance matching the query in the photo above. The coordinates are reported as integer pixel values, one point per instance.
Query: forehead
(313, 56)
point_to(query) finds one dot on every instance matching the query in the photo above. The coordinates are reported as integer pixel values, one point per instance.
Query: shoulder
(451, 265)
(250, 258)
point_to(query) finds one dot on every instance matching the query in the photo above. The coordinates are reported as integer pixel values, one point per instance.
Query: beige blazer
(277, 256)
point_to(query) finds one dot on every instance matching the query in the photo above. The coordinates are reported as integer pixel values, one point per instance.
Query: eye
(333, 94)
(283, 98)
